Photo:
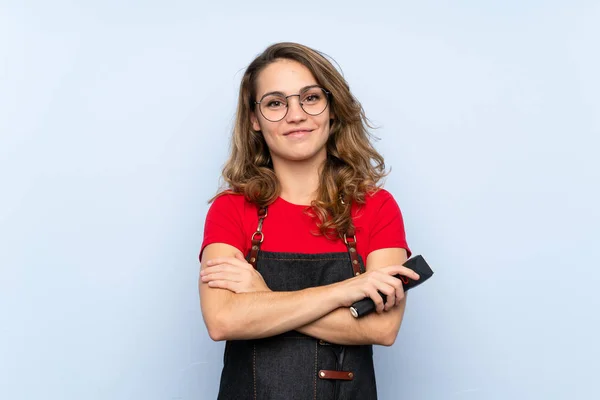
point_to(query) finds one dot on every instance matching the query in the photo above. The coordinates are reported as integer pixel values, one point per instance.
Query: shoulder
(225, 221)
(379, 206)
(229, 197)
(379, 209)
(228, 201)
(231, 208)
(380, 195)
(383, 222)
(379, 200)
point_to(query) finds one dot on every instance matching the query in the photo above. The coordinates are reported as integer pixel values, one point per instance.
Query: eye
(311, 98)
(274, 102)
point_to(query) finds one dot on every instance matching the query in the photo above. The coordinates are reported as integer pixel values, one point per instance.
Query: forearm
(264, 314)
(340, 327)
(233, 311)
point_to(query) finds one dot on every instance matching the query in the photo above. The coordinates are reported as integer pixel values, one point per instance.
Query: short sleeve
(224, 222)
(387, 229)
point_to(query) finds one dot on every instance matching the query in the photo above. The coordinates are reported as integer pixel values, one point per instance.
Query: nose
(295, 112)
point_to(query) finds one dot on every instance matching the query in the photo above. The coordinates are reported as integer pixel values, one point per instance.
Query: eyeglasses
(274, 106)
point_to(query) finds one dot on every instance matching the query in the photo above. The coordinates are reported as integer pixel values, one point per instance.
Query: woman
(284, 247)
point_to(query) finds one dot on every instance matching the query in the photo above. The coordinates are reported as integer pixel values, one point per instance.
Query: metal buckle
(346, 239)
(262, 236)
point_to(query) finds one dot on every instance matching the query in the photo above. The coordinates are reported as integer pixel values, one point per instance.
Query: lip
(297, 131)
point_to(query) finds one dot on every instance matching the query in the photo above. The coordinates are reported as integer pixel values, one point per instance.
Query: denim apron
(294, 366)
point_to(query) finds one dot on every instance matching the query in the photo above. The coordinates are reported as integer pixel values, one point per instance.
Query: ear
(254, 121)
(331, 116)
(332, 120)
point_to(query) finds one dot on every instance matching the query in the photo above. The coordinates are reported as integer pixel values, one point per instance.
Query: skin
(296, 156)
(236, 302)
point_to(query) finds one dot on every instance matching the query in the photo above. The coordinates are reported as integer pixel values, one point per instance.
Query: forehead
(285, 76)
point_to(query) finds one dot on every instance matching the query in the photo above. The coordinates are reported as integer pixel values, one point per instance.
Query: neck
(299, 180)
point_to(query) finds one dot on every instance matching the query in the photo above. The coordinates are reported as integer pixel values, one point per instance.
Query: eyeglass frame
(287, 107)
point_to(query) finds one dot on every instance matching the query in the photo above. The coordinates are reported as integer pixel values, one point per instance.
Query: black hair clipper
(417, 264)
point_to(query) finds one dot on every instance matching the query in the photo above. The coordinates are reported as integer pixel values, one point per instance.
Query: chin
(297, 157)
(303, 156)
(298, 153)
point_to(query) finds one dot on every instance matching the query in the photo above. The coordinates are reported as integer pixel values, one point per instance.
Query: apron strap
(350, 240)
(258, 236)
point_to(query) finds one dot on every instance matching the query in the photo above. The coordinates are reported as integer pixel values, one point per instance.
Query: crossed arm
(323, 314)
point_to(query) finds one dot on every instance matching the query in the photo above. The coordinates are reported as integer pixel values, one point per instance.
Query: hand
(368, 284)
(234, 274)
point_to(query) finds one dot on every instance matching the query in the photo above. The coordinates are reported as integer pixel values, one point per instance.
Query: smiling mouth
(298, 132)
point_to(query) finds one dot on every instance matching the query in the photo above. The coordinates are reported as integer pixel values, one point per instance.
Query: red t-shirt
(231, 219)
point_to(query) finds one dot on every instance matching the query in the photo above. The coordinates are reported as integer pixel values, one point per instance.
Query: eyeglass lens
(274, 107)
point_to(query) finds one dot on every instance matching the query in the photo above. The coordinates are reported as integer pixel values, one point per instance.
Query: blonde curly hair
(352, 169)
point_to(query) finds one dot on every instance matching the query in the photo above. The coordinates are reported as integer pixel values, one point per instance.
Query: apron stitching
(315, 375)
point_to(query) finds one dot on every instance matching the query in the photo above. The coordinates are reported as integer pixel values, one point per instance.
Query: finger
(400, 295)
(221, 268)
(390, 294)
(222, 284)
(395, 298)
(398, 288)
(409, 273)
(228, 260)
(221, 276)
(377, 299)
(221, 260)
(402, 270)
(377, 280)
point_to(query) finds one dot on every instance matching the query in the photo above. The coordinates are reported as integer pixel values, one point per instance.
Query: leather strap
(258, 236)
(337, 375)
(350, 240)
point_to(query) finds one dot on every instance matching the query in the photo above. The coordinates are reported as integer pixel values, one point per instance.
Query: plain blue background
(114, 124)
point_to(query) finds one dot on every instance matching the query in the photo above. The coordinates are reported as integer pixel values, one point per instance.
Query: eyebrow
(284, 95)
